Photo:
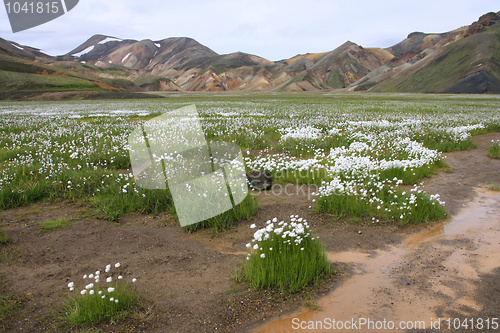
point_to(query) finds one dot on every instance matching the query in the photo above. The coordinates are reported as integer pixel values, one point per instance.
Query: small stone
(260, 180)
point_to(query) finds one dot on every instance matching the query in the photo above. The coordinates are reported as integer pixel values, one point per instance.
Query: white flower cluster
(60, 140)
(370, 189)
(307, 132)
(291, 233)
(461, 133)
(367, 155)
(95, 286)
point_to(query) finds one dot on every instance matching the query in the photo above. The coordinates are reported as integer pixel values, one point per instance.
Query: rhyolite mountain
(465, 60)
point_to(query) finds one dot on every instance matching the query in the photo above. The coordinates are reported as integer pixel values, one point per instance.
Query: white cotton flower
(71, 285)
(103, 296)
(275, 219)
(100, 292)
(85, 276)
(263, 255)
(134, 280)
(253, 226)
(120, 277)
(91, 292)
(97, 273)
(116, 301)
(111, 289)
(109, 279)
(248, 245)
(108, 268)
(256, 246)
(71, 289)
(83, 292)
(89, 286)
(117, 265)
(111, 299)
(91, 276)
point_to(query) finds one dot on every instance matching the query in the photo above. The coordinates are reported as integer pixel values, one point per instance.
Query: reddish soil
(185, 278)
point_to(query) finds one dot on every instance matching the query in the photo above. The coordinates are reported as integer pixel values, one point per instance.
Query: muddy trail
(434, 274)
(444, 278)
(382, 271)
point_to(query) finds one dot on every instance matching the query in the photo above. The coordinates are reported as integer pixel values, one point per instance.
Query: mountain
(28, 73)
(467, 63)
(465, 60)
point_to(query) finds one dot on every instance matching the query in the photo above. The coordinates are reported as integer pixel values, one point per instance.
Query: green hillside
(454, 63)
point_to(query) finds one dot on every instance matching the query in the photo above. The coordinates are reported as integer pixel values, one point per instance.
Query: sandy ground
(185, 278)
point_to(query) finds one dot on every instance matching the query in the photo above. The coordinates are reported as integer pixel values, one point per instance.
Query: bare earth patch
(185, 278)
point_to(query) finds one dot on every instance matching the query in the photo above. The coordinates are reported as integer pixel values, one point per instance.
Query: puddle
(466, 245)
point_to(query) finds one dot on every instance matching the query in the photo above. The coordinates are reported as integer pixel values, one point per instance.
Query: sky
(273, 29)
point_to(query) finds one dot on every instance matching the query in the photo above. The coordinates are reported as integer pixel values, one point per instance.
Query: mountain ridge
(464, 60)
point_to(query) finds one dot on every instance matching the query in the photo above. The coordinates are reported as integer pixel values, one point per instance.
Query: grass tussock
(88, 309)
(494, 151)
(53, 225)
(4, 237)
(493, 187)
(286, 256)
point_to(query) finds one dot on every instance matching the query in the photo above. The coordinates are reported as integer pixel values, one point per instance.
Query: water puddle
(446, 259)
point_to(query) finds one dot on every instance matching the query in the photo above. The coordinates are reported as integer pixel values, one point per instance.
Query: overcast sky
(273, 29)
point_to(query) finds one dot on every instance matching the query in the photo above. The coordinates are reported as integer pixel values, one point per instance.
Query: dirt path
(186, 278)
(449, 271)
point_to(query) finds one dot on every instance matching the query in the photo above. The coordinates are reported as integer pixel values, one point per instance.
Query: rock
(484, 22)
(260, 180)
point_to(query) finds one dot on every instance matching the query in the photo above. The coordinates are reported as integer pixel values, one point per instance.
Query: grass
(494, 150)
(282, 262)
(243, 211)
(36, 151)
(15, 81)
(4, 237)
(53, 225)
(8, 305)
(237, 273)
(398, 210)
(85, 310)
(9, 254)
(493, 187)
(382, 203)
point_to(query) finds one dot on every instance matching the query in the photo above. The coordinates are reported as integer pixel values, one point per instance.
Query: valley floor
(186, 281)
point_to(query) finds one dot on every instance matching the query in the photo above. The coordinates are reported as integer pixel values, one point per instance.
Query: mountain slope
(27, 72)
(465, 60)
(155, 56)
(469, 65)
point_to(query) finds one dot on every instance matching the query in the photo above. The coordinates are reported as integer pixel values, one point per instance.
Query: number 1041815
(32, 7)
